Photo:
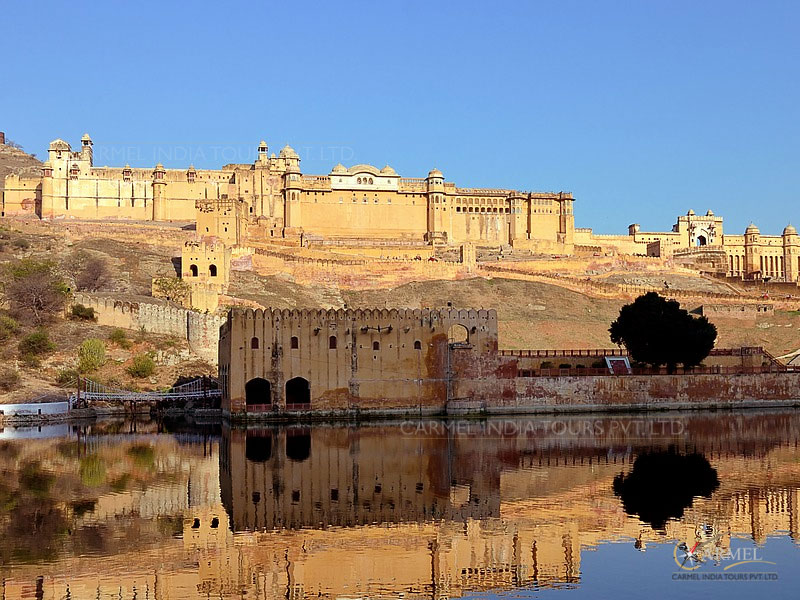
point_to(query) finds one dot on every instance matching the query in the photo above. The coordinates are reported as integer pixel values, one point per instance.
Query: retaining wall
(200, 330)
(651, 392)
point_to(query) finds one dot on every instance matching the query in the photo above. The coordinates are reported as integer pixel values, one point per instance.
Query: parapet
(367, 314)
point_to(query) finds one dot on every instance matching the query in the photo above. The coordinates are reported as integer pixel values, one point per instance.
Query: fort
(274, 363)
(280, 201)
(359, 206)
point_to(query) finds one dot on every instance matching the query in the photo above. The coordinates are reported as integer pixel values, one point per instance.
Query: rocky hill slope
(16, 160)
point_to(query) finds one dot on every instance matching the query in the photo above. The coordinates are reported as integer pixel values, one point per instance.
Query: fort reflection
(434, 509)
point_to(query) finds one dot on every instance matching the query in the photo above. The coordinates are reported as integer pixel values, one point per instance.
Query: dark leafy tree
(662, 485)
(657, 331)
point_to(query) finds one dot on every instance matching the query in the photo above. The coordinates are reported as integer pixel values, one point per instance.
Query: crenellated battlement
(425, 315)
(341, 357)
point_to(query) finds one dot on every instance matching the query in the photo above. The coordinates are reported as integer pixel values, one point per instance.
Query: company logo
(723, 563)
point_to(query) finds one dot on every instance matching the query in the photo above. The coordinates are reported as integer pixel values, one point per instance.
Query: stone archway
(457, 334)
(298, 391)
(298, 444)
(257, 392)
(258, 446)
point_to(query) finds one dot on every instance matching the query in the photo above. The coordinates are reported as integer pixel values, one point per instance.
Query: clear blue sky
(643, 109)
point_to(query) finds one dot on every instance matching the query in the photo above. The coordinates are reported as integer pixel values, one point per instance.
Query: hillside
(15, 160)
(531, 314)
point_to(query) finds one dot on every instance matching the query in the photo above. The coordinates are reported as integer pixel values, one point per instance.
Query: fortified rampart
(435, 361)
(737, 311)
(345, 359)
(200, 330)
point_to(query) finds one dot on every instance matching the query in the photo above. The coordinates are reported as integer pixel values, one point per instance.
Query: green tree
(36, 344)
(91, 355)
(142, 366)
(657, 331)
(171, 288)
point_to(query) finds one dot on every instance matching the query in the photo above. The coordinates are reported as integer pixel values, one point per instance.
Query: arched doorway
(298, 444)
(701, 240)
(298, 391)
(257, 392)
(258, 446)
(458, 334)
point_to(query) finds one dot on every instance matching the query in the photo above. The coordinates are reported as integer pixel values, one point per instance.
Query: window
(332, 342)
(254, 343)
(417, 345)
(194, 270)
(212, 269)
(376, 345)
(295, 343)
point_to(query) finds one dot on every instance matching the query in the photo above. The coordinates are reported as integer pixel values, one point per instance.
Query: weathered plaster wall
(354, 358)
(647, 391)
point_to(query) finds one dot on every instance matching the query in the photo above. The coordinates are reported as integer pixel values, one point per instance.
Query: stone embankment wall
(201, 330)
(737, 311)
(652, 392)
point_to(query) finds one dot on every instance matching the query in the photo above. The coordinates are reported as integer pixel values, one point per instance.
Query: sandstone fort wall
(200, 330)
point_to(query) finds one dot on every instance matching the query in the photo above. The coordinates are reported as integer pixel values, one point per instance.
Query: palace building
(751, 256)
(272, 199)
(361, 202)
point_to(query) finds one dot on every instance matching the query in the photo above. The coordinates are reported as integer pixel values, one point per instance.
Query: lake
(564, 507)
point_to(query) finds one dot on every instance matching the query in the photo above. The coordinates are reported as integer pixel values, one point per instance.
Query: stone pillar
(791, 255)
(291, 205)
(159, 193)
(47, 191)
(469, 256)
(752, 251)
(436, 203)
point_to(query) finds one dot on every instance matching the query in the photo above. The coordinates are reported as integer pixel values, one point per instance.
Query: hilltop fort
(272, 199)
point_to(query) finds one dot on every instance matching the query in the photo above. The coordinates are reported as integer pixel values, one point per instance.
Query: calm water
(617, 507)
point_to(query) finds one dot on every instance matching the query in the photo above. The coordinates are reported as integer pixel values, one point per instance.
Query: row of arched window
(294, 343)
(212, 270)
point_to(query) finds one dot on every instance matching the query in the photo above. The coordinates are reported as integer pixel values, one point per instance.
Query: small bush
(599, 364)
(120, 338)
(9, 379)
(546, 365)
(142, 366)
(91, 355)
(8, 327)
(67, 377)
(36, 344)
(565, 366)
(30, 360)
(21, 243)
(85, 313)
(580, 366)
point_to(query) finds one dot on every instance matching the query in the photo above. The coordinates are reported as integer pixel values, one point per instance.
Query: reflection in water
(434, 509)
(662, 484)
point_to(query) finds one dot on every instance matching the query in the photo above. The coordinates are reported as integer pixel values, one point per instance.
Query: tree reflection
(662, 485)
